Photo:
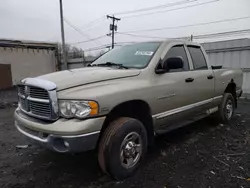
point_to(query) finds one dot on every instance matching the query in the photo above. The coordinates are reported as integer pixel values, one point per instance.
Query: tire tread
(105, 139)
(220, 116)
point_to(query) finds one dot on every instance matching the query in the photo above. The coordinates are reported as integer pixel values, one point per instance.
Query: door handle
(210, 77)
(189, 80)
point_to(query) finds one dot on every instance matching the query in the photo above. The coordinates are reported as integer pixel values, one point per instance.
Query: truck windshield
(130, 56)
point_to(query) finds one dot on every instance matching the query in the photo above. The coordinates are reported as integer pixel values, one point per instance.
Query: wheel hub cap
(229, 109)
(131, 149)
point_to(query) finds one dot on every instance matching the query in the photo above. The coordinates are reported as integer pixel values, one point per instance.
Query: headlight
(79, 109)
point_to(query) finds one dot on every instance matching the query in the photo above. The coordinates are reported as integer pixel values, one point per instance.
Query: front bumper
(65, 142)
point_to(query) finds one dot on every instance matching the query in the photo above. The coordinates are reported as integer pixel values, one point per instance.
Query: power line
(88, 40)
(97, 48)
(93, 22)
(189, 25)
(106, 46)
(200, 36)
(152, 8)
(93, 27)
(138, 10)
(229, 33)
(98, 20)
(141, 36)
(211, 35)
(75, 28)
(78, 30)
(168, 10)
(155, 7)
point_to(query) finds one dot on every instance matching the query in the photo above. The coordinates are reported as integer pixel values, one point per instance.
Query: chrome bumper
(56, 142)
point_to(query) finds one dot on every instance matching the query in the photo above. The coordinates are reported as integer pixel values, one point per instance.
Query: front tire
(122, 147)
(226, 109)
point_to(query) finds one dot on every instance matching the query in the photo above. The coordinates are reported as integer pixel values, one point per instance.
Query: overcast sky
(39, 19)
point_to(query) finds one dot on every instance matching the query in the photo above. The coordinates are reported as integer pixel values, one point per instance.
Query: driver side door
(175, 90)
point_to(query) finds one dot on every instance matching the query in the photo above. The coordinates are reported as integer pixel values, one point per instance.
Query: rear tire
(122, 147)
(226, 109)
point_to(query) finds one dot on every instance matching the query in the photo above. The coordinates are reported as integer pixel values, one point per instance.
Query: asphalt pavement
(202, 154)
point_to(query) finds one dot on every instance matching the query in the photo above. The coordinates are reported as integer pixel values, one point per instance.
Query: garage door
(5, 76)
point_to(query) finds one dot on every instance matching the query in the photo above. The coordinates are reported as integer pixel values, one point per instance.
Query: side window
(178, 51)
(198, 58)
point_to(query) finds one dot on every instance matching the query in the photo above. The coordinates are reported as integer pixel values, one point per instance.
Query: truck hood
(77, 77)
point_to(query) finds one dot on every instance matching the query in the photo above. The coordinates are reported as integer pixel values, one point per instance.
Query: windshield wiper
(111, 64)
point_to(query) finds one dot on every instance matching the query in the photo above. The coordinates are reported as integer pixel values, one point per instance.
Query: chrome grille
(22, 103)
(40, 109)
(21, 89)
(37, 101)
(39, 93)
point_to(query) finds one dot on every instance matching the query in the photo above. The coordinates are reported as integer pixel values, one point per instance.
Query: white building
(234, 54)
(21, 59)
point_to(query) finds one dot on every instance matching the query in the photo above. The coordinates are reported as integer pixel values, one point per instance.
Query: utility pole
(113, 28)
(191, 38)
(65, 62)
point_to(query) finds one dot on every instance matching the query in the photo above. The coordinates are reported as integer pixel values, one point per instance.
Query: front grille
(22, 103)
(40, 109)
(39, 93)
(35, 101)
(21, 89)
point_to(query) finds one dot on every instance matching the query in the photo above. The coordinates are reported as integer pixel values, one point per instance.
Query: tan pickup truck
(125, 98)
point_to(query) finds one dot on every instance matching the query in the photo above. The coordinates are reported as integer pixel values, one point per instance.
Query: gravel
(202, 154)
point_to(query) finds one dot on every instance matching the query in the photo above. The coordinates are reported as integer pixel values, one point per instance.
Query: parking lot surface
(202, 154)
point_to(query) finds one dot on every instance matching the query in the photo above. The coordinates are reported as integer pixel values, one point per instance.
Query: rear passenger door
(203, 77)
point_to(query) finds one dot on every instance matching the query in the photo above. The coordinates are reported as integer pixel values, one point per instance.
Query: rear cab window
(198, 58)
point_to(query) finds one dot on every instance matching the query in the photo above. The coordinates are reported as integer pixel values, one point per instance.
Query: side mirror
(160, 71)
(173, 63)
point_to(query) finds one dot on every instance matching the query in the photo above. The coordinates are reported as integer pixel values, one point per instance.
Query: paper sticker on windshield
(148, 53)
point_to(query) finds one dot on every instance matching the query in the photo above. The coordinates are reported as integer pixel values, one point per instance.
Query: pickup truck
(125, 98)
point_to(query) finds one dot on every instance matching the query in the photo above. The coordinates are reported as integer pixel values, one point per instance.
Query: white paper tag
(148, 53)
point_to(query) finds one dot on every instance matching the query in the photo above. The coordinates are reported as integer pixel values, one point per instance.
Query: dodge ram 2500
(125, 98)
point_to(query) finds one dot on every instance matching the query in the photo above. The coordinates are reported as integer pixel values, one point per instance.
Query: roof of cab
(187, 42)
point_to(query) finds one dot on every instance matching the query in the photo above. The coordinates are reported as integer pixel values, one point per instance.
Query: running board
(186, 122)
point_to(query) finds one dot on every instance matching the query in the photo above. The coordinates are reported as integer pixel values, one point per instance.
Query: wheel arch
(231, 88)
(138, 109)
